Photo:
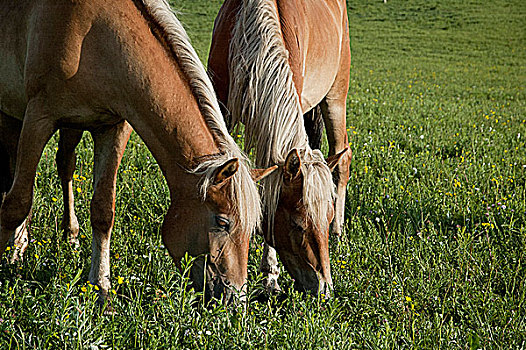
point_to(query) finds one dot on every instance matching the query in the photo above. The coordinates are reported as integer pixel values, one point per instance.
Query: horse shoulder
(292, 15)
(55, 35)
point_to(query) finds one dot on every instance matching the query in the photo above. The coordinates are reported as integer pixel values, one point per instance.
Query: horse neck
(174, 130)
(161, 107)
(262, 91)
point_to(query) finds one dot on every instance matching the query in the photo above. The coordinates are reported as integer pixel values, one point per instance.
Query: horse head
(303, 214)
(218, 232)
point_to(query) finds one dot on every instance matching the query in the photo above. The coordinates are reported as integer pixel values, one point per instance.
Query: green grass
(435, 248)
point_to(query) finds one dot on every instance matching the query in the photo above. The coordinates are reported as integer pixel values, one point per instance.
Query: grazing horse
(282, 69)
(98, 65)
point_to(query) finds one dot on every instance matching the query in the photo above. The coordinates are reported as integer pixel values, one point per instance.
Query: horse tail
(313, 121)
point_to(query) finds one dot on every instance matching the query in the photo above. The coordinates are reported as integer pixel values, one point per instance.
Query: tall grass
(435, 246)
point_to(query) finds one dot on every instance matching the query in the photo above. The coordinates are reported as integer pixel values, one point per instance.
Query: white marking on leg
(270, 269)
(100, 264)
(20, 241)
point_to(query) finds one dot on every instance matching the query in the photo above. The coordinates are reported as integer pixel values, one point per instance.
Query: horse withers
(98, 65)
(282, 68)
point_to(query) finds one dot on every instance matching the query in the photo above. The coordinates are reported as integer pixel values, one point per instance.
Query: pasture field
(434, 254)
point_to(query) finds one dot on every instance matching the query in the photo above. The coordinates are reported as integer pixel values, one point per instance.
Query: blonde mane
(262, 96)
(244, 195)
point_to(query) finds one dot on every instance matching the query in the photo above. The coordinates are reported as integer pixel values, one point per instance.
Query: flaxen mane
(262, 96)
(245, 198)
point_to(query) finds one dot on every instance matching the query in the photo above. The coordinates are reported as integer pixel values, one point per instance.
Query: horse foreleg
(270, 269)
(109, 148)
(10, 129)
(20, 240)
(313, 122)
(66, 161)
(334, 116)
(36, 131)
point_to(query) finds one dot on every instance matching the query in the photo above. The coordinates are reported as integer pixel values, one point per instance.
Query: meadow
(434, 251)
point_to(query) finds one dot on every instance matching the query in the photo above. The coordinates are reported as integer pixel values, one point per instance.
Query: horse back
(314, 33)
(316, 36)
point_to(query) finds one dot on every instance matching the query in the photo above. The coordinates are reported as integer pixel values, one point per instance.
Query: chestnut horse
(97, 65)
(280, 66)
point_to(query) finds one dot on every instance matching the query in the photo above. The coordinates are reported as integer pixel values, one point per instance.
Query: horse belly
(13, 100)
(318, 79)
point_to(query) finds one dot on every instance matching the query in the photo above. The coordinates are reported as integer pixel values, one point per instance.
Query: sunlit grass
(434, 250)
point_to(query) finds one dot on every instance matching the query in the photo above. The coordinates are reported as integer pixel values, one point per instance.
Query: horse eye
(295, 225)
(223, 222)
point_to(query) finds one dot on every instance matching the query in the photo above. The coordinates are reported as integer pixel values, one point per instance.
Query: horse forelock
(243, 194)
(318, 190)
(243, 191)
(262, 95)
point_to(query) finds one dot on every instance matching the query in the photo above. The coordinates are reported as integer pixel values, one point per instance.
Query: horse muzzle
(207, 278)
(314, 282)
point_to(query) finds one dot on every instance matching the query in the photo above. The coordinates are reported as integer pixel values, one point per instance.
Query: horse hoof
(108, 310)
(18, 255)
(16, 259)
(105, 304)
(71, 234)
(74, 243)
(271, 286)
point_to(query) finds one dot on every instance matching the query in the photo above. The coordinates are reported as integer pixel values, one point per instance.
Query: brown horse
(280, 66)
(97, 65)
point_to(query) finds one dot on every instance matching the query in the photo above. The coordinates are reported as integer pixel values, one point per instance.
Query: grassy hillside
(435, 247)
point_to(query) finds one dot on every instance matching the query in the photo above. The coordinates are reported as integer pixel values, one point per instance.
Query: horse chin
(216, 286)
(313, 282)
(308, 280)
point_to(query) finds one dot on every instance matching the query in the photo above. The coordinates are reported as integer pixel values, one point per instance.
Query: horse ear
(333, 160)
(225, 171)
(291, 168)
(258, 174)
